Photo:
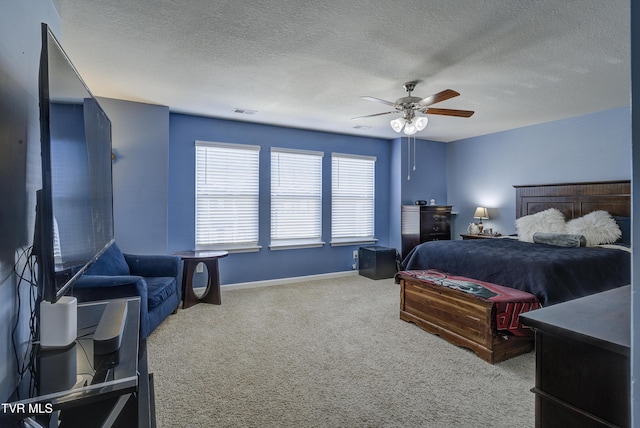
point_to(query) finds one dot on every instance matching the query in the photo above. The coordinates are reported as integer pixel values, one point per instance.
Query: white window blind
(227, 188)
(296, 198)
(352, 198)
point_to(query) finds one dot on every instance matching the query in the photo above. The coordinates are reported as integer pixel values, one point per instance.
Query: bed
(550, 273)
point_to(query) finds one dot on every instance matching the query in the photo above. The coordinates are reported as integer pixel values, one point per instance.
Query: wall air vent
(361, 127)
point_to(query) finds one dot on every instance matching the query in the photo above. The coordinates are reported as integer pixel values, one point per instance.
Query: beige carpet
(327, 353)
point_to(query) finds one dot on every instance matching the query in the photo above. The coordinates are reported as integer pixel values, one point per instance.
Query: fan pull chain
(408, 158)
(409, 168)
(414, 152)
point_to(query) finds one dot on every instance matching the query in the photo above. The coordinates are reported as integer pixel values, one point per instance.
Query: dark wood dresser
(583, 374)
(422, 223)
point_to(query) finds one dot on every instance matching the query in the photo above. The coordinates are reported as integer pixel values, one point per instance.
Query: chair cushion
(159, 289)
(111, 263)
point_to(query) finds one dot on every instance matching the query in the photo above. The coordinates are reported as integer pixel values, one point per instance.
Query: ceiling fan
(409, 105)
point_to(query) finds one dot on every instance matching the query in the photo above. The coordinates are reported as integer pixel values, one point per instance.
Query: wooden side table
(191, 260)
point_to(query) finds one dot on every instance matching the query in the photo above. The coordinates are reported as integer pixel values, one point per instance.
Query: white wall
(140, 175)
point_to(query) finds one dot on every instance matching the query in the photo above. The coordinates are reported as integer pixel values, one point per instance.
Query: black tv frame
(55, 282)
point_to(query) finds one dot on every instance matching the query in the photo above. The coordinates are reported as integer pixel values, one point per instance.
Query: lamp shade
(410, 128)
(397, 124)
(421, 123)
(481, 213)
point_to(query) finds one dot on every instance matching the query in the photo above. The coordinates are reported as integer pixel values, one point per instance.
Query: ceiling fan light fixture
(410, 128)
(397, 124)
(421, 123)
(410, 105)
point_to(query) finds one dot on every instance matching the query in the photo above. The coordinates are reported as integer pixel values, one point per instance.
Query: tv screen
(74, 221)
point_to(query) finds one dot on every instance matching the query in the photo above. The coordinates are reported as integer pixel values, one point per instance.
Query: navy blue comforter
(552, 274)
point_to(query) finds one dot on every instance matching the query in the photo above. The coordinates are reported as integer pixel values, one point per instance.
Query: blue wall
(20, 167)
(427, 181)
(465, 174)
(267, 264)
(483, 170)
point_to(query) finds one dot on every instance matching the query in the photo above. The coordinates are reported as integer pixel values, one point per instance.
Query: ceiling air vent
(244, 111)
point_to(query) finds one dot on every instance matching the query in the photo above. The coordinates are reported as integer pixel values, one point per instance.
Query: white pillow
(598, 227)
(548, 221)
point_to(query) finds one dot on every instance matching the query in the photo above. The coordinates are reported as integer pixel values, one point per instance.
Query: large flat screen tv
(74, 218)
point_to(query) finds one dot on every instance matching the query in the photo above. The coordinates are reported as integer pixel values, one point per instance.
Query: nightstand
(479, 236)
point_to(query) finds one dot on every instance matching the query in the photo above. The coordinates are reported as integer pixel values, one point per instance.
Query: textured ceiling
(305, 64)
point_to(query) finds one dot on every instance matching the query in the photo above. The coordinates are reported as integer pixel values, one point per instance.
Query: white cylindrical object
(58, 322)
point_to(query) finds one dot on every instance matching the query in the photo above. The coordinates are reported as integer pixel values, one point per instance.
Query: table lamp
(481, 213)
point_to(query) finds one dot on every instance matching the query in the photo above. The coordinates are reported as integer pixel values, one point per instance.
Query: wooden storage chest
(461, 318)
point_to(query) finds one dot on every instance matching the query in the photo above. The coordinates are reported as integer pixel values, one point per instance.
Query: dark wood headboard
(575, 199)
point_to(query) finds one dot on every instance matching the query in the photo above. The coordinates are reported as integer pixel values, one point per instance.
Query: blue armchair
(155, 279)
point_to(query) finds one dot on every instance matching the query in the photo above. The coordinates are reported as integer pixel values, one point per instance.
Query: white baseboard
(291, 280)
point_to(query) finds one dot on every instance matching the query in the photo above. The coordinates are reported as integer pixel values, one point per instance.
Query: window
(352, 198)
(296, 198)
(227, 196)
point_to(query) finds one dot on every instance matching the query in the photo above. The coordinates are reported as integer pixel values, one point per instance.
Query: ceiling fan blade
(436, 98)
(378, 100)
(449, 112)
(373, 115)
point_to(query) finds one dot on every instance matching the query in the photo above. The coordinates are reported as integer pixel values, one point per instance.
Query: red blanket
(508, 303)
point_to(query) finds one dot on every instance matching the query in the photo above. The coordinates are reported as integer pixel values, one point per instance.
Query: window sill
(295, 245)
(352, 241)
(232, 248)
